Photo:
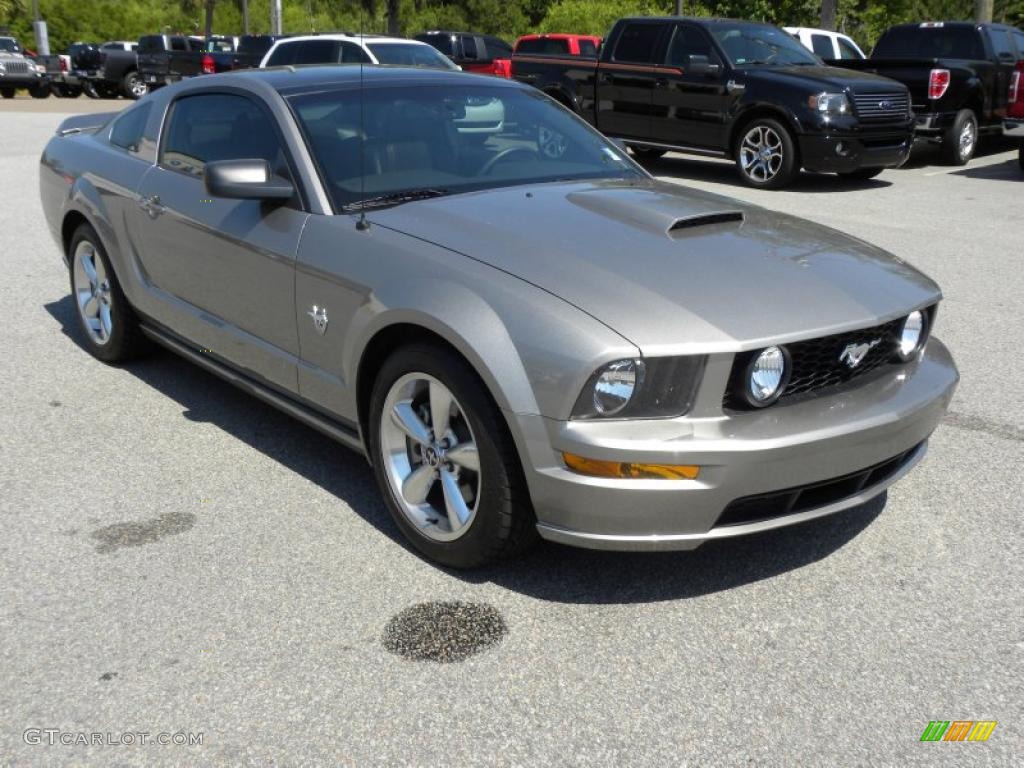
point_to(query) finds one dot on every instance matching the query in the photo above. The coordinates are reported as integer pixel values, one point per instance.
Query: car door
(625, 81)
(227, 265)
(690, 107)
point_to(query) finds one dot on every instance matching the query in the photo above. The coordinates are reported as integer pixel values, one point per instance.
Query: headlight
(653, 388)
(829, 104)
(912, 335)
(767, 375)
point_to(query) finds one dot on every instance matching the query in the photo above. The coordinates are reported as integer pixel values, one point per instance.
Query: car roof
(291, 80)
(350, 36)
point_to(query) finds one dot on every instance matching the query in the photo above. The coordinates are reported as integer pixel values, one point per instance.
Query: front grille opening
(768, 506)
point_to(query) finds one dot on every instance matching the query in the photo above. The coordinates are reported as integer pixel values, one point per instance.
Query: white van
(828, 45)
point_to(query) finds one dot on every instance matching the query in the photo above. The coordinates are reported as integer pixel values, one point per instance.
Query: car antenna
(362, 225)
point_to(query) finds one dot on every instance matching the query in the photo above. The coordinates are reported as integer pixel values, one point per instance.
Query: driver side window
(687, 42)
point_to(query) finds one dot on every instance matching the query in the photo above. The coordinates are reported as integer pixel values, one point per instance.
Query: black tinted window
(687, 42)
(179, 44)
(316, 52)
(1018, 38)
(128, 128)
(218, 126)
(497, 48)
(151, 44)
(410, 54)
(1002, 45)
(930, 43)
(9, 44)
(822, 46)
(443, 43)
(543, 45)
(847, 51)
(352, 54)
(588, 49)
(636, 44)
(256, 45)
(282, 55)
(469, 50)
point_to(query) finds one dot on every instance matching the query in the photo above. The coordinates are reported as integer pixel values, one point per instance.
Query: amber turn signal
(629, 470)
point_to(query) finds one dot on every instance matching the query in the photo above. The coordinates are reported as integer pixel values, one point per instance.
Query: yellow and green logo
(958, 730)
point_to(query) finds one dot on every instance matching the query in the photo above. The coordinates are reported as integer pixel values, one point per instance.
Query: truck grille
(15, 67)
(816, 363)
(882, 107)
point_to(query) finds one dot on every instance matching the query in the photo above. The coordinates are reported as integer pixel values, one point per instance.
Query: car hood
(815, 78)
(673, 270)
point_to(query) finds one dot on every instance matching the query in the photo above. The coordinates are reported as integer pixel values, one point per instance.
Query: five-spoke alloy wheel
(445, 460)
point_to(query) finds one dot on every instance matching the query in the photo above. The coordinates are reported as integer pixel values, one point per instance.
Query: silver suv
(19, 71)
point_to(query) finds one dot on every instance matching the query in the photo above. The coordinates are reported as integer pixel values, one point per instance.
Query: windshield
(749, 45)
(929, 43)
(10, 45)
(409, 55)
(425, 141)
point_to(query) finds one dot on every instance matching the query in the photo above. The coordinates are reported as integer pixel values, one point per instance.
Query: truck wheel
(861, 174)
(647, 153)
(40, 91)
(766, 154)
(133, 86)
(7, 93)
(69, 91)
(89, 88)
(444, 460)
(961, 140)
(106, 320)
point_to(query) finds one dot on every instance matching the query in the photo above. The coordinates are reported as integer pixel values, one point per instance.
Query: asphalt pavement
(178, 558)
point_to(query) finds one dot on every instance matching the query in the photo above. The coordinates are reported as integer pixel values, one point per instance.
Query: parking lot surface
(179, 558)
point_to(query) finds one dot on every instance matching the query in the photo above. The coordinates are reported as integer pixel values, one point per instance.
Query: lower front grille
(803, 498)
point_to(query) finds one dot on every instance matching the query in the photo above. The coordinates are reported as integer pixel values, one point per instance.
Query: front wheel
(766, 155)
(862, 174)
(7, 93)
(961, 140)
(40, 91)
(108, 324)
(444, 460)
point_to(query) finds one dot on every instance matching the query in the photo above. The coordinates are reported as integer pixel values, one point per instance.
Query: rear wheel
(41, 91)
(647, 153)
(862, 174)
(961, 141)
(766, 154)
(108, 324)
(133, 86)
(7, 93)
(444, 460)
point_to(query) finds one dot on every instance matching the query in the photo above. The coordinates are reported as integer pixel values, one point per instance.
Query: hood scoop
(651, 212)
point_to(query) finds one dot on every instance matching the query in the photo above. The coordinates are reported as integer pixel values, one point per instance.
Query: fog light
(912, 335)
(629, 470)
(766, 376)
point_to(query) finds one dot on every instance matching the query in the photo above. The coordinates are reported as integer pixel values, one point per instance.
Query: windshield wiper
(394, 198)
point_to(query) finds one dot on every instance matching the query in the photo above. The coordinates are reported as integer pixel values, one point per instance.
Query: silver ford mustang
(523, 331)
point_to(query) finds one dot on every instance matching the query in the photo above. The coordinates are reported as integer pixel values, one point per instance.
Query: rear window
(151, 44)
(930, 43)
(409, 55)
(822, 46)
(636, 43)
(543, 45)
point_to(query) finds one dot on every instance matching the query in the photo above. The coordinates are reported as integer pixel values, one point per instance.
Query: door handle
(151, 205)
(661, 82)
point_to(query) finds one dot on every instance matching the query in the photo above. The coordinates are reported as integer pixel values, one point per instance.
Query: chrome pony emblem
(319, 315)
(854, 354)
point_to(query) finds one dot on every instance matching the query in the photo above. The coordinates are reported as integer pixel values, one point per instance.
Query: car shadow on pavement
(549, 572)
(724, 172)
(1008, 171)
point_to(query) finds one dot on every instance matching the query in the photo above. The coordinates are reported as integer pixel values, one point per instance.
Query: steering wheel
(504, 155)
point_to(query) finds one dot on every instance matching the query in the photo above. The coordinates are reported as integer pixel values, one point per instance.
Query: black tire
(126, 340)
(40, 91)
(107, 91)
(504, 524)
(1020, 158)
(954, 148)
(862, 174)
(7, 93)
(89, 88)
(132, 85)
(777, 175)
(647, 153)
(68, 91)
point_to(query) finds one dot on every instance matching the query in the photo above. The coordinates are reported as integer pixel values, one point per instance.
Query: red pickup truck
(1013, 125)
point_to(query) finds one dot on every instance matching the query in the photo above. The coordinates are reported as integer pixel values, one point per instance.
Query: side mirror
(702, 65)
(246, 180)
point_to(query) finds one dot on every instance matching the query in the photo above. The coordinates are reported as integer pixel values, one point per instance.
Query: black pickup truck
(958, 74)
(104, 71)
(733, 89)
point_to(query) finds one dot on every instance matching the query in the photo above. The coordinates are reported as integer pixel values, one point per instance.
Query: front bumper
(1013, 129)
(30, 80)
(841, 152)
(740, 456)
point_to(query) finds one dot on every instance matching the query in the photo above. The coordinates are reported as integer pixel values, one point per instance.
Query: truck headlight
(651, 388)
(830, 104)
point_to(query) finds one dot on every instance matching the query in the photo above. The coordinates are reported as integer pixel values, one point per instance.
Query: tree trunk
(394, 22)
(983, 10)
(208, 29)
(828, 14)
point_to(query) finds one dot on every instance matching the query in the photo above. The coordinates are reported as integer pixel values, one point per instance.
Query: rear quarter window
(636, 44)
(128, 129)
(588, 49)
(282, 55)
